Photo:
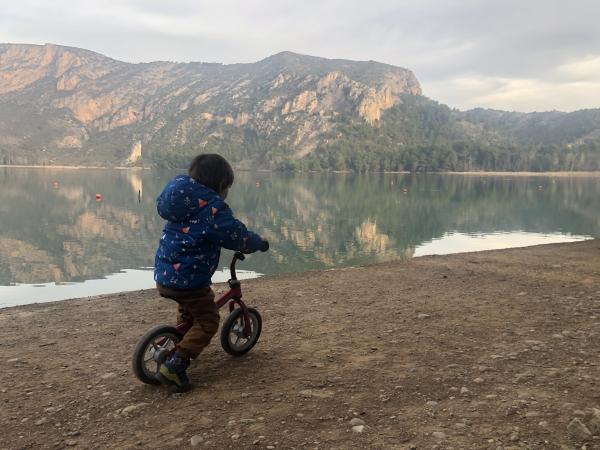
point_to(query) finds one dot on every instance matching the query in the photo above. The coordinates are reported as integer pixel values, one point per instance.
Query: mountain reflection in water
(54, 229)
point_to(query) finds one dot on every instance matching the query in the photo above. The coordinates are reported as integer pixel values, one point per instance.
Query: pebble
(464, 391)
(133, 408)
(12, 360)
(315, 393)
(204, 422)
(235, 437)
(358, 428)
(478, 380)
(422, 316)
(41, 421)
(431, 403)
(270, 447)
(106, 376)
(514, 437)
(356, 421)
(71, 442)
(439, 435)
(196, 440)
(594, 422)
(578, 430)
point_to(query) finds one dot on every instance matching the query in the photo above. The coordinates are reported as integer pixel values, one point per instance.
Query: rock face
(61, 104)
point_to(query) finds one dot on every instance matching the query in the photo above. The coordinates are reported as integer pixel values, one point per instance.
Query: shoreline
(339, 172)
(449, 351)
(8, 166)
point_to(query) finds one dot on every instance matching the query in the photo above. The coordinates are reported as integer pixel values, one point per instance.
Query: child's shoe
(172, 372)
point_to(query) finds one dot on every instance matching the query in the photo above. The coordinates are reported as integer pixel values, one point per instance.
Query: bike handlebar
(236, 256)
(241, 257)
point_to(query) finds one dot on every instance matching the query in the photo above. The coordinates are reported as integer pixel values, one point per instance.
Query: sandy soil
(493, 350)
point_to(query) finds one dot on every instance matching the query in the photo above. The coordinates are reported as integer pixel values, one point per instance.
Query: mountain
(63, 105)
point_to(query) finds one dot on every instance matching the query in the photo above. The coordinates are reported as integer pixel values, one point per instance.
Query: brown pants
(197, 306)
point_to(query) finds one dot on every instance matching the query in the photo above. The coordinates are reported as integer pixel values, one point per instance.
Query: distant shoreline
(531, 174)
(477, 173)
(12, 166)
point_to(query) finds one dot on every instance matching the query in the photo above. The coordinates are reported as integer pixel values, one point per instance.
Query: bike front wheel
(233, 338)
(152, 351)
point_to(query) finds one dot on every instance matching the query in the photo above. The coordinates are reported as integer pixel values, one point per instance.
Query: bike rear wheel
(233, 339)
(152, 350)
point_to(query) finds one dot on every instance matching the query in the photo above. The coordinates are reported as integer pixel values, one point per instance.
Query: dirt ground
(493, 350)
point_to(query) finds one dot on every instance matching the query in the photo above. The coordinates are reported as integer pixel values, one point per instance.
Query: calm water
(58, 241)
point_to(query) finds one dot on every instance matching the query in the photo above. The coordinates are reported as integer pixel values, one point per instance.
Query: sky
(522, 55)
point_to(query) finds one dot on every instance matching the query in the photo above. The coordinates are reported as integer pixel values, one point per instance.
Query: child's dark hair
(212, 171)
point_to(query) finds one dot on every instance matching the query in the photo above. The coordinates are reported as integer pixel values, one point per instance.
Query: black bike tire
(137, 361)
(228, 323)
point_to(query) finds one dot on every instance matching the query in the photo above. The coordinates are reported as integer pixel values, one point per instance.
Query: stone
(70, 442)
(524, 376)
(196, 440)
(514, 437)
(439, 435)
(12, 360)
(356, 421)
(578, 430)
(464, 391)
(204, 422)
(315, 393)
(431, 403)
(422, 316)
(594, 422)
(478, 380)
(109, 375)
(41, 421)
(235, 437)
(133, 408)
(358, 428)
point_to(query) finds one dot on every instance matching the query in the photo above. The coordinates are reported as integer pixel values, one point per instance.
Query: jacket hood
(182, 199)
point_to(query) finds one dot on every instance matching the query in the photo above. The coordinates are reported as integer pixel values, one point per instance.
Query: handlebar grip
(240, 256)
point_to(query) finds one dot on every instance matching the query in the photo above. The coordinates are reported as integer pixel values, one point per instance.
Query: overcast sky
(525, 55)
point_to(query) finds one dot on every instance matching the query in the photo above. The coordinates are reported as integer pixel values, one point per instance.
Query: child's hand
(264, 246)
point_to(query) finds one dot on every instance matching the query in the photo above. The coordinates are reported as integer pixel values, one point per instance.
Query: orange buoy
(98, 197)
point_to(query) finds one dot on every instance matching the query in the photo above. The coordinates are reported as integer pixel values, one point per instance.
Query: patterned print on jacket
(199, 223)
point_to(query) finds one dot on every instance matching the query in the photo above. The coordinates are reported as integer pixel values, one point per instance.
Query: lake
(69, 233)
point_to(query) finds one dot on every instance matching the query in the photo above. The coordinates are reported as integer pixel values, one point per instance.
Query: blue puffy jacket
(199, 223)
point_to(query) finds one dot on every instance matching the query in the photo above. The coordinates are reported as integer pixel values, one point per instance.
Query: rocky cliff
(67, 105)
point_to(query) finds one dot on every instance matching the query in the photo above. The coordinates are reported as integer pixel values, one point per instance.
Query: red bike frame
(233, 296)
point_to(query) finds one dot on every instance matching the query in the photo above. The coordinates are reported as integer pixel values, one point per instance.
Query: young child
(199, 223)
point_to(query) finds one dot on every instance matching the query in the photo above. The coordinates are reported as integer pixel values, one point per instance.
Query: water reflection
(54, 229)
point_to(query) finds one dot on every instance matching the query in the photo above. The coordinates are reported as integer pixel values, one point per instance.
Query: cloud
(506, 47)
(516, 94)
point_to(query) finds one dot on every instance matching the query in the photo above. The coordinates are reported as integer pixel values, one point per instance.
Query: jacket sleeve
(229, 232)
